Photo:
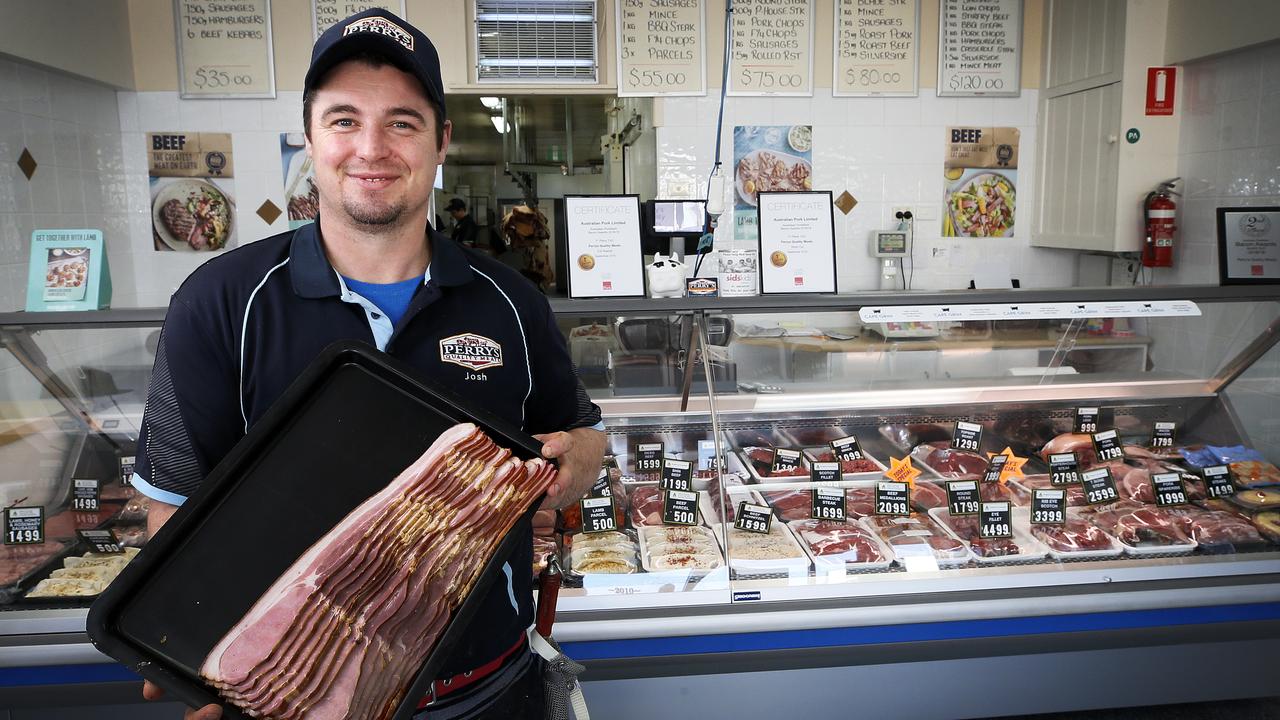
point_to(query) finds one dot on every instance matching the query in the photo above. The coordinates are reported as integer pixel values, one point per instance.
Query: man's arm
(158, 515)
(579, 452)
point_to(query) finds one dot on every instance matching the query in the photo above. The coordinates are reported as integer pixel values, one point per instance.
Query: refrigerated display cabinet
(715, 619)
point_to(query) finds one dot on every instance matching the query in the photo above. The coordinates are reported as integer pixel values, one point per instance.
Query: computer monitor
(679, 218)
(672, 225)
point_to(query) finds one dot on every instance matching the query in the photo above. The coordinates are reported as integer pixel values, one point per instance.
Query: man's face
(458, 214)
(373, 145)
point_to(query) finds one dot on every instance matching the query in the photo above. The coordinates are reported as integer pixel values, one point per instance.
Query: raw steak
(836, 538)
(1077, 535)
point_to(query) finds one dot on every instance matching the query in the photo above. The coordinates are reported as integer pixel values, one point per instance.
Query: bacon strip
(343, 631)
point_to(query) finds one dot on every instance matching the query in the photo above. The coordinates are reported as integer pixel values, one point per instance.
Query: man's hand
(579, 452)
(208, 712)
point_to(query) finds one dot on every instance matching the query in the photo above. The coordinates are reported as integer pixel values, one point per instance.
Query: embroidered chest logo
(382, 26)
(471, 351)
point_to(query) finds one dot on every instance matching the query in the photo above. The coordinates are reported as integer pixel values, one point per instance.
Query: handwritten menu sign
(980, 47)
(876, 47)
(327, 13)
(772, 48)
(224, 48)
(662, 48)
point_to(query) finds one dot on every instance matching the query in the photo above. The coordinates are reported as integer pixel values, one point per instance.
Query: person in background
(525, 230)
(465, 231)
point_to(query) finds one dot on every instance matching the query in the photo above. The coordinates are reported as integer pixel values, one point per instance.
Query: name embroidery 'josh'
(471, 351)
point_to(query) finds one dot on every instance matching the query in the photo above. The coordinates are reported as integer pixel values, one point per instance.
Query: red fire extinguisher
(1159, 212)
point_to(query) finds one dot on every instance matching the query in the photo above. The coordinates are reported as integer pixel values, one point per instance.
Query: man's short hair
(455, 205)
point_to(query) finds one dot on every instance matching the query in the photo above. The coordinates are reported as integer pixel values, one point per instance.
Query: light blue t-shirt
(391, 298)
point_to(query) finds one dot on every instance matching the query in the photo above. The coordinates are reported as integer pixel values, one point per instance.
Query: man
(465, 230)
(371, 268)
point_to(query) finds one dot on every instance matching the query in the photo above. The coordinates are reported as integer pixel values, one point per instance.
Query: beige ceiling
(540, 125)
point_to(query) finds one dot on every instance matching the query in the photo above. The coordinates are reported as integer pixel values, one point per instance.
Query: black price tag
(967, 436)
(679, 507)
(824, 472)
(1163, 434)
(753, 518)
(963, 497)
(598, 515)
(1064, 468)
(1107, 446)
(676, 474)
(648, 457)
(86, 494)
(600, 488)
(1217, 481)
(1049, 507)
(102, 541)
(1169, 488)
(995, 466)
(1086, 420)
(23, 525)
(847, 449)
(996, 520)
(1099, 487)
(784, 460)
(828, 504)
(126, 463)
(893, 498)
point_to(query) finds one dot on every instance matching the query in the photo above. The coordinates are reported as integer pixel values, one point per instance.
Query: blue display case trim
(780, 640)
(921, 632)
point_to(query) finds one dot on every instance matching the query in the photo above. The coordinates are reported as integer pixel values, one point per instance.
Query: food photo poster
(192, 191)
(767, 158)
(302, 200)
(981, 182)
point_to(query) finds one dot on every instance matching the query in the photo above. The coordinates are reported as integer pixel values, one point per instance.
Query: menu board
(662, 48)
(772, 48)
(980, 47)
(224, 48)
(797, 242)
(327, 13)
(603, 234)
(876, 48)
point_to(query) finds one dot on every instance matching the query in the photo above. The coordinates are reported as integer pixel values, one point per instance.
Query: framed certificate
(602, 234)
(797, 242)
(1249, 245)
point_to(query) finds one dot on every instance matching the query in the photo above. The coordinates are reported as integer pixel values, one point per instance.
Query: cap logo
(471, 351)
(382, 26)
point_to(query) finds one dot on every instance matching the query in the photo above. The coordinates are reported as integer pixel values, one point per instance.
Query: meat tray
(811, 456)
(1030, 549)
(796, 564)
(298, 465)
(944, 559)
(646, 561)
(739, 462)
(1022, 517)
(826, 564)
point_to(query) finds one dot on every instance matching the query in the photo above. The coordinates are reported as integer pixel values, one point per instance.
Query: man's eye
(401, 125)
(344, 122)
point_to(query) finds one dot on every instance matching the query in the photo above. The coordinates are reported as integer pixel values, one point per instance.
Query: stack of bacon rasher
(345, 630)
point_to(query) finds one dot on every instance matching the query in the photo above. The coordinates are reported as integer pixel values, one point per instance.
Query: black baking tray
(350, 423)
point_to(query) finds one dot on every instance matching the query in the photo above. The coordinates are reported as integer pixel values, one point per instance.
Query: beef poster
(302, 201)
(769, 158)
(192, 191)
(981, 182)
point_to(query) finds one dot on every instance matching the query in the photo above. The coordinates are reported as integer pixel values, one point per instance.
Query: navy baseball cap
(377, 29)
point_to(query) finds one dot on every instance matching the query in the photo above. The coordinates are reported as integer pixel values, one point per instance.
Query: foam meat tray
(350, 423)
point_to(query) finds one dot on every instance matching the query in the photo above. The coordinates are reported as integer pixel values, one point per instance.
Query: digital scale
(890, 246)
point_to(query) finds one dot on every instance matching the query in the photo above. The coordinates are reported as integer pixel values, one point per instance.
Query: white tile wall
(71, 127)
(885, 152)
(1229, 151)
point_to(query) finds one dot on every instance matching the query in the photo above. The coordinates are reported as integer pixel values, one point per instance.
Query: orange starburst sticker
(902, 471)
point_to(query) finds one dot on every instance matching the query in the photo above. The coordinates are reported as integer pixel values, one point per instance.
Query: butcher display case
(1011, 481)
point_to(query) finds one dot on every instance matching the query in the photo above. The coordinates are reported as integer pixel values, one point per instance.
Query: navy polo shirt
(246, 323)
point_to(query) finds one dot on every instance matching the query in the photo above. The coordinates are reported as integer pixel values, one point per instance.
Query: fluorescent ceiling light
(499, 124)
(492, 103)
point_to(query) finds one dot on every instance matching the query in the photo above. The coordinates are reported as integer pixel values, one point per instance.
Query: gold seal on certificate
(586, 262)
(778, 258)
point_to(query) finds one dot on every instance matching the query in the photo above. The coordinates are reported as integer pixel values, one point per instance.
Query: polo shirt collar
(314, 277)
